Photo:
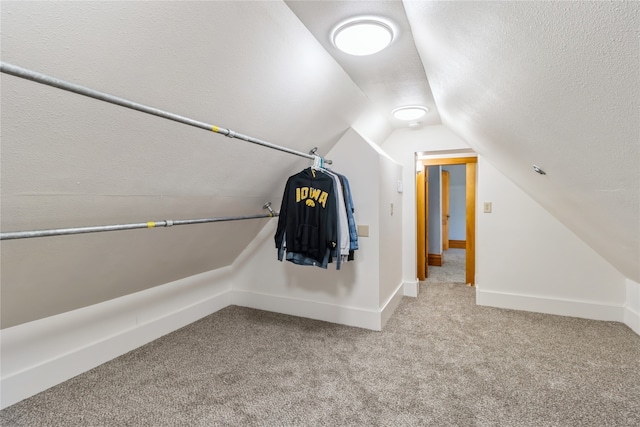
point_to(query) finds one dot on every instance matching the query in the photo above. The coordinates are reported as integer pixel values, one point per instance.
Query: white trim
(632, 319)
(40, 354)
(632, 306)
(412, 288)
(390, 305)
(562, 307)
(350, 316)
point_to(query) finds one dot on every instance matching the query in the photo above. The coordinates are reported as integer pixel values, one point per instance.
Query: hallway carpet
(440, 361)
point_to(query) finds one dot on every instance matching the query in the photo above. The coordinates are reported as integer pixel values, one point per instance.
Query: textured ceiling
(69, 161)
(391, 78)
(549, 83)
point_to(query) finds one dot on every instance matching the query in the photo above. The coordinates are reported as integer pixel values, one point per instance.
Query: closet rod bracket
(269, 208)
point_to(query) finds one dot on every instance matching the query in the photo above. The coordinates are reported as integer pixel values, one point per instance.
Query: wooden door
(422, 213)
(470, 245)
(445, 211)
(471, 223)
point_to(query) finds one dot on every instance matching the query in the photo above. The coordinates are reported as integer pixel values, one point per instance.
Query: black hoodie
(308, 215)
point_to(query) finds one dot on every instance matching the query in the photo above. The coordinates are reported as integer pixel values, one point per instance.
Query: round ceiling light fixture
(362, 36)
(409, 113)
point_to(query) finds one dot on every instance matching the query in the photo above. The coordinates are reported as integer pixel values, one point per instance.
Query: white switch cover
(363, 230)
(400, 188)
(487, 207)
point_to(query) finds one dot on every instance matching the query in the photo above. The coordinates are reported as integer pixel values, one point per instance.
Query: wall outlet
(487, 207)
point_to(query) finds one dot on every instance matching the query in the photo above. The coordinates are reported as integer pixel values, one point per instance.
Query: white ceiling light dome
(362, 36)
(410, 112)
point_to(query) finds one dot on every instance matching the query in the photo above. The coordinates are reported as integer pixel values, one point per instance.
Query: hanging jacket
(353, 232)
(307, 222)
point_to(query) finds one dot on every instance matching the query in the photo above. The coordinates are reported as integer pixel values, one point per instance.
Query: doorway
(422, 214)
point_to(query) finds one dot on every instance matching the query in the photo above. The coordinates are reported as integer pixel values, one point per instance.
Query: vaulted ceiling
(554, 84)
(547, 83)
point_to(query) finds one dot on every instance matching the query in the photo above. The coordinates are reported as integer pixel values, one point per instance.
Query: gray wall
(457, 201)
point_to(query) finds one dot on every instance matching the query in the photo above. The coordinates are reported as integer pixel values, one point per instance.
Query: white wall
(364, 293)
(390, 230)
(349, 296)
(40, 354)
(527, 260)
(70, 161)
(401, 146)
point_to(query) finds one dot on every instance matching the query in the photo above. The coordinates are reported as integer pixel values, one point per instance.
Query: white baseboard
(562, 307)
(40, 354)
(411, 288)
(632, 319)
(350, 316)
(390, 305)
(632, 306)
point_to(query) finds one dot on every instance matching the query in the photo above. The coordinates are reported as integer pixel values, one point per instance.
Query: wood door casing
(470, 275)
(421, 241)
(470, 249)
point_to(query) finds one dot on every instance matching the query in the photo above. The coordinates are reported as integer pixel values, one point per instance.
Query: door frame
(470, 188)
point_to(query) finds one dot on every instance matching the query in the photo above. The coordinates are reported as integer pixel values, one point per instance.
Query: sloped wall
(390, 231)
(70, 161)
(40, 354)
(527, 260)
(553, 84)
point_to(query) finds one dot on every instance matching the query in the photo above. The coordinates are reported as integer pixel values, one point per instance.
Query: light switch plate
(363, 230)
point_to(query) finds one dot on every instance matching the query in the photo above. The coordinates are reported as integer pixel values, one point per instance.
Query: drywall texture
(553, 84)
(522, 250)
(72, 161)
(390, 229)
(358, 285)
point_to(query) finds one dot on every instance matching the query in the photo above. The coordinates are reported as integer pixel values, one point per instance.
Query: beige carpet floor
(440, 361)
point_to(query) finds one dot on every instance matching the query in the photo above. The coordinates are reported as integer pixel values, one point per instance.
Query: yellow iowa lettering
(303, 193)
(314, 193)
(323, 198)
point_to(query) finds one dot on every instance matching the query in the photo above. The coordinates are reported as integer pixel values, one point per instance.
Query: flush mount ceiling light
(410, 112)
(362, 36)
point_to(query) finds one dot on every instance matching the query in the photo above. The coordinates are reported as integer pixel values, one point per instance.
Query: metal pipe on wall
(12, 235)
(17, 71)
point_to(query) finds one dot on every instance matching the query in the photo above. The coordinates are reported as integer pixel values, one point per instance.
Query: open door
(421, 220)
(470, 242)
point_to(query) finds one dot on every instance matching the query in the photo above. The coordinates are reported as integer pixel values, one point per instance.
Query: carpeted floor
(440, 361)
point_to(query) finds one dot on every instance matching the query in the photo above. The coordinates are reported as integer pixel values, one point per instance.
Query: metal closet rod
(17, 71)
(150, 224)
